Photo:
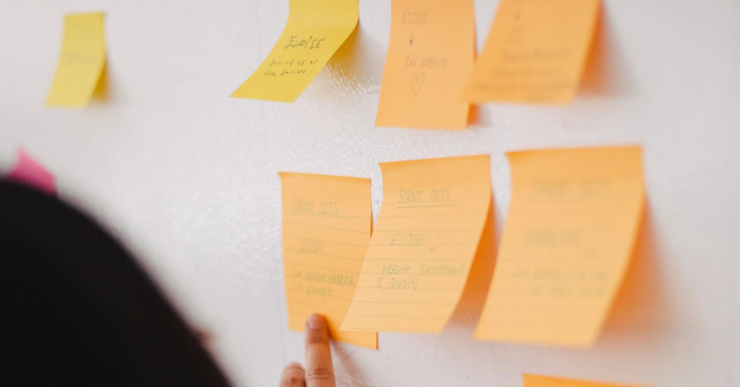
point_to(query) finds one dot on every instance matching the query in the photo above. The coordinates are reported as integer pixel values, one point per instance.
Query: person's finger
(293, 376)
(319, 370)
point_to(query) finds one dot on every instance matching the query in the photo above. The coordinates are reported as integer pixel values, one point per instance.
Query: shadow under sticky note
(430, 54)
(31, 173)
(327, 222)
(422, 248)
(573, 220)
(546, 381)
(314, 31)
(81, 63)
(535, 52)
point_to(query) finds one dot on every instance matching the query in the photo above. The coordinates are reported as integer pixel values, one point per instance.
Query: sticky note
(425, 238)
(430, 54)
(535, 52)
(81, 63)
(315, 30)
(31, 173)
(327, 222)
(570, 231)
(545, 381)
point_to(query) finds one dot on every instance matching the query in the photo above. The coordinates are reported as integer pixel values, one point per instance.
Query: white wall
(187, 177)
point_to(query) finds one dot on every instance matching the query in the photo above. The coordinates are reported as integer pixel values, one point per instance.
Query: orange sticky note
(327, 222)
(425, 238)
(430, 54)
(535, 52)
(545, 381)
(571, 228)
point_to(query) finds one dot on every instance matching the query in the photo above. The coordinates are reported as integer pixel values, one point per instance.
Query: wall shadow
(358, 63)
(641, 305)
(606, 70)
(474, 295)
(346, 370)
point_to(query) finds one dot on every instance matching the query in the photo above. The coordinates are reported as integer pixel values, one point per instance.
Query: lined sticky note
(315, 30)
(535, 52)
(425, 238)
(81, 62)
(571, 227)
(545, 381)
(31, 173)
(430, 54)
(327, 222)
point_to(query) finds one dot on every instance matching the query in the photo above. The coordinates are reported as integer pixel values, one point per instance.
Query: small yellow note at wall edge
(547, 381)
(81, 62)
(313, 33)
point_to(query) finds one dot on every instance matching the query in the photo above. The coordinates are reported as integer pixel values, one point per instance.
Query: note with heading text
(327, 222)
(422, 248)
(430, 54)
(314, 31)
(572, 223)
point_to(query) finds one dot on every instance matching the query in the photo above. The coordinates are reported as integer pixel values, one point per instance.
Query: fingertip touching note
(426, 236)
(535, 52)
(572, 222)
(314, 31)
(326, 229)
(81, 63)
(430, 54)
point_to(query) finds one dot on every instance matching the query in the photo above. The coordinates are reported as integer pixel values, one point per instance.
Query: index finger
(319, 370)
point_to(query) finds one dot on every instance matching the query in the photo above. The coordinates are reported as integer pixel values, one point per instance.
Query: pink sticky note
(33, 174)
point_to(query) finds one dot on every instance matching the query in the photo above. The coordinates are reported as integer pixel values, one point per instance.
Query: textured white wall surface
(187, 177)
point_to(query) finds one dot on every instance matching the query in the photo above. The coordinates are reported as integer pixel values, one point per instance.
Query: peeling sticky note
(315, 30)
(81, 62)
(572, 222)
(545, 381)
(31, 173)
(430, 54)
(535, 52)
(327, 222)
(422, 248)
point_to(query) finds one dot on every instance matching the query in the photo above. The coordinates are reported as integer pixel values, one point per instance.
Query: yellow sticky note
(545, 381)
(571, 227)
(81, 63)
(327, 222)
(315, 30)
(535, 52)
(423, 245)
(430, 54)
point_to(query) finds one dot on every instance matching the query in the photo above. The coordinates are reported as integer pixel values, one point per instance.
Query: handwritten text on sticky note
(430, 54)
(426, 236)
(81, 62)
(571, 227)
(535, 52)
(326, 230)
(315, 30)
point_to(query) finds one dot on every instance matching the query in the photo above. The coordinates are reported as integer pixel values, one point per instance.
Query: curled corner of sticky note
(29, 172)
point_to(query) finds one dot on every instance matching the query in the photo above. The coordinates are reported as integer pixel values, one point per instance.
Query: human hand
(319, 370)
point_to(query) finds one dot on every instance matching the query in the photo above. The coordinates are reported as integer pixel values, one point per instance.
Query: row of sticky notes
(572, 223)
(535, 53)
